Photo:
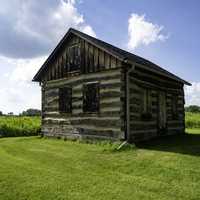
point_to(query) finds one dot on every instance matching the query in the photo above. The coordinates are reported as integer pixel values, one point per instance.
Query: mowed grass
(13, 126)
(35, 168)
(39, 168)
(192, 120)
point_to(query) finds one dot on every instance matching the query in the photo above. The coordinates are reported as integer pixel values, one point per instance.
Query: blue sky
(165, 32)
(179, 18)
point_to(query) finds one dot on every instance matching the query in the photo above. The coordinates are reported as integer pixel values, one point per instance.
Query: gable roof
(115, 51)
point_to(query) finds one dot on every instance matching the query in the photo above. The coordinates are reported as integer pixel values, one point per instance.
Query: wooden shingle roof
(115, 51)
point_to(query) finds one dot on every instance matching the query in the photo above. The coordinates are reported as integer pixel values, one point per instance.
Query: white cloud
(16, 98)
(36, 27)
(65, 16)
(192, 94)
(19, 93)
(88, 30)
(30, 33)
(25, 69)
(142, 32)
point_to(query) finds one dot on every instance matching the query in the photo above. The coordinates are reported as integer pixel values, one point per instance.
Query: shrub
(31, 112)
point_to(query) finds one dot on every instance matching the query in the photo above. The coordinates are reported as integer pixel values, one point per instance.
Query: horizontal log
(110, 100)
(106, 101)
(96, 122)
(101, 114)
(144, 83)
(110, 109)
(52, 99)
(77, 99)
(143, 123)
(143, 127)
(137, 132)
(51, 93)
(51, 108)
(102, 87)
(138, 72)
(110, 94)
(176, 128)
(110, 104)
(111, 81)
(77, 111)
(135, 95)
(91, 77)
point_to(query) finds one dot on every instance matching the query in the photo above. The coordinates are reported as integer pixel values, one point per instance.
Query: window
(74, 56)
(174, 106)
(146, 107)
(146, 113)
(65, 100)
(91, 97)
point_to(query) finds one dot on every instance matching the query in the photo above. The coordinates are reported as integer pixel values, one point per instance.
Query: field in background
(192, 120)
(13, 126)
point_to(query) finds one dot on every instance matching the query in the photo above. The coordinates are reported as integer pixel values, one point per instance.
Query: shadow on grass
(183, 144)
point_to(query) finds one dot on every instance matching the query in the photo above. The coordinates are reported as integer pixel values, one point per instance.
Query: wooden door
(161, 112)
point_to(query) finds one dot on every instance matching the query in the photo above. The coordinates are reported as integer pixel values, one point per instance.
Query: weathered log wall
(99, 66)
(105, 124)
(143, 129)
(92, 59)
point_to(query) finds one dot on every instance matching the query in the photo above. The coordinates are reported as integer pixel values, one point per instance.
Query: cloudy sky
(166, 32)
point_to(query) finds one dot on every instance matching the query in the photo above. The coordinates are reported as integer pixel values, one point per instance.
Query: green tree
(193, 108)
(31, 112)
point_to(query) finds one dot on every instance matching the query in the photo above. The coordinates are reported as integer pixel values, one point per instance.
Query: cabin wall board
(106, 123)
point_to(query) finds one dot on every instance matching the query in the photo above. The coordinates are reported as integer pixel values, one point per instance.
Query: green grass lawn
(193, 130)
(192, 120)
(35, 168)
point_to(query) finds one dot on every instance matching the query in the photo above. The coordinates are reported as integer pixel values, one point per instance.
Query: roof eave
(171, 76)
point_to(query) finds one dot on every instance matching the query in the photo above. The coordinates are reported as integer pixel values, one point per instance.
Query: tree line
(29, 112)
(193, 109)
(37, 112)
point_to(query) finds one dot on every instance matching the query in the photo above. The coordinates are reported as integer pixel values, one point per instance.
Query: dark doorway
(162, 117)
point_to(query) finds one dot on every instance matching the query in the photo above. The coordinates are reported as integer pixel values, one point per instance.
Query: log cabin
(92, 89)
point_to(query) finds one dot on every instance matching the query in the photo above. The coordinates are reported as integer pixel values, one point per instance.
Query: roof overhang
(165, 74)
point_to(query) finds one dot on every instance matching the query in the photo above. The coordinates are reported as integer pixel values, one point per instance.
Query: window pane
(91, 97)
(65, 100)
(174, 106)
(146, 100)
(74, 57)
